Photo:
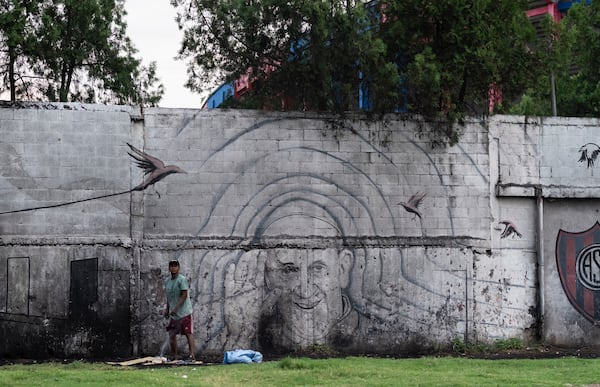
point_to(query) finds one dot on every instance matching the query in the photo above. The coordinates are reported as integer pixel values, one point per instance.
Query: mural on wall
(317, 261)
(412, 205)
(292, 238)
(589, 154)
(307, 281)
(93, 314)
(509, 230)
(154, 170)
(578, 263)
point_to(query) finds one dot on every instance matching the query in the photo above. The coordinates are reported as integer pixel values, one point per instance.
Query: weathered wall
(289, 232)
(65, 272)
(551, 162)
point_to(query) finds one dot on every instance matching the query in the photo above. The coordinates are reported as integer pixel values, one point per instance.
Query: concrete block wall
(65, 282)
(54, 155)
(286, 224)
(547, 185)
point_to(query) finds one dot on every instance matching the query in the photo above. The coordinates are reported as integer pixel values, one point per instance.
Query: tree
(572, 54)
(452, 53)
(578, 92)
(437, 58)
(15, 41)
(308, 52)
(78, 50)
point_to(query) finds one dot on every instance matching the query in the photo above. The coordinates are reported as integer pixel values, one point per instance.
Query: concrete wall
(552, 160)
(65, 273)
(288, 228)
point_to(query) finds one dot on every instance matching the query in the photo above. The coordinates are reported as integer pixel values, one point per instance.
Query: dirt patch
(542, 352)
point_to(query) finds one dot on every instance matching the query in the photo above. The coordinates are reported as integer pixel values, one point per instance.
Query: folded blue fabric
(242, 356)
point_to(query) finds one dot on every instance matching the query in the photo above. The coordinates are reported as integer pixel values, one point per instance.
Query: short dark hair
(174, 263)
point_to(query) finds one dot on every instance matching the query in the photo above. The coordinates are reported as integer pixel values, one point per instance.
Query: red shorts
(183, 326)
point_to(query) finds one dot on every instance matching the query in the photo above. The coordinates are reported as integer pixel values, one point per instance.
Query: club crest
(578, 263)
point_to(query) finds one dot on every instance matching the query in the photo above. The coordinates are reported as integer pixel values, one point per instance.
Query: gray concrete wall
(65, 272)
(289, 232)
(549, 163)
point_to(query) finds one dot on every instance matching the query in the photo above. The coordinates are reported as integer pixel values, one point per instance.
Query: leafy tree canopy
(436, 58)
(573, 57)
(72, 50)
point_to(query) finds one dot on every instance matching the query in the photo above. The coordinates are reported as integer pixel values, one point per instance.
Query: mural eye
(318, 268)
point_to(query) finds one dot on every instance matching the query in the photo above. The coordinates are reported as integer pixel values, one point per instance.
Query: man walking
(179, 310)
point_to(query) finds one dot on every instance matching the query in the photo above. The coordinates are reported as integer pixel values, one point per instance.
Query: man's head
(308, 285)
(174, 267)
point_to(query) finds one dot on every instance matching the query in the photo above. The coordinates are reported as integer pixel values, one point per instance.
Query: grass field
(352, 371)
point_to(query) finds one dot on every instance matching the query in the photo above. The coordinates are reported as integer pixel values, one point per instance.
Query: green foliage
(438, 58)
(16, 41)
(580, 93)
(453, 53)
(508, 344)
(572, 53)
(459, 346)
(73, 50)
(309, 52)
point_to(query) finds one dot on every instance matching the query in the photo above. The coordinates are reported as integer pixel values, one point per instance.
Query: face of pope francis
(307, 288)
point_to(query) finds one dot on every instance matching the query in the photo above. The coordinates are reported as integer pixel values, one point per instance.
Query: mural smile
(309, 302)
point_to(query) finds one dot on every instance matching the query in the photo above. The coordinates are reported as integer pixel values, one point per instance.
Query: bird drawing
(509, 229)
(589, 153)
(412, 205)
(154, 169)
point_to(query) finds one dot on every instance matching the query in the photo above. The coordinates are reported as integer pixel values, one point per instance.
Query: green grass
(352, 371)
(459, 346)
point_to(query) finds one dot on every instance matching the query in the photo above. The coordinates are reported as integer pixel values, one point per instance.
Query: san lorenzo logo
(578, 263)
(588, 267)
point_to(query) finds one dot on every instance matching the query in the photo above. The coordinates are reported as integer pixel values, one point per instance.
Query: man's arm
(166, 313)
(182, 298)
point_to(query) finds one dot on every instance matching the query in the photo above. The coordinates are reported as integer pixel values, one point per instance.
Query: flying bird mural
(154, 169)
(509, 229)
(412, 205)
(589, 153)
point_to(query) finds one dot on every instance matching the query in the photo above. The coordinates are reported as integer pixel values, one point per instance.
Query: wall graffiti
(154, 170)
(320, 262)
(589, 153)
(578, 262)
(290, 236)
(412, 205)
(510, 230)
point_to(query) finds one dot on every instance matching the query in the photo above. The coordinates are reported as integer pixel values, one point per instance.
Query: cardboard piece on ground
(141, 360)
(175, 362)
(155, 361)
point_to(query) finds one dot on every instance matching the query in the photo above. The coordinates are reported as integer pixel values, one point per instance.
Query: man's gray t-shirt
(174, 288)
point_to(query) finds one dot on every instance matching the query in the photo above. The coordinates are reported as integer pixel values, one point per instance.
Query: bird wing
(416, 199)
(509, 228)
(595, 154)
(143, 160)
(583, 156)
(505, 232)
